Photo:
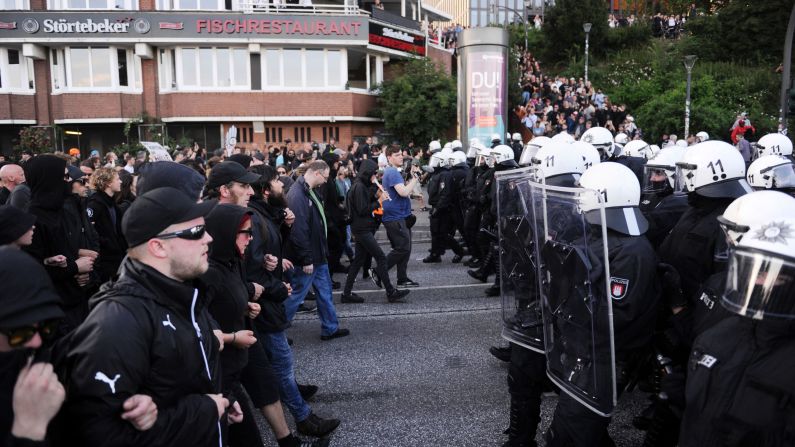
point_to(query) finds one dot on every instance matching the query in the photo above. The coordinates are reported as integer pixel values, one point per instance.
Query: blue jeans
(301, 282)
(281, 357)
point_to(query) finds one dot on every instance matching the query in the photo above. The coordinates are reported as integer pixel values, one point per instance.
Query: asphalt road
(419, 373)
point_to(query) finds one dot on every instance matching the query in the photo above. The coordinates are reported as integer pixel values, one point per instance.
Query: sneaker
(339, 334)
(306, 308)
(351, 298)
(316, 426)
(432, 258)
(295, 441)
(307, 391)
(408, 283)
(396, 295)
(374, 277)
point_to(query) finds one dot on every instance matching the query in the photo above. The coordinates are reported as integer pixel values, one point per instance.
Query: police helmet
(754, 209)
(495, 137)
(601, 139)
(457, 157)
(531, 148)
(563, 137)
(621, 138)
(516, 136)
(456, 145)
(590, 156)
(434, 146)
(448, 146)
(619, 190)
(771, 172)
(760, 281)
(558, 164)
(681, 143)
(637, 148)
(773, 144)
(484, 155)
(436, 160)
(474, 145)
(712, 169)
(502, 153)
(702, 136)
(662, 164)
(654, 149)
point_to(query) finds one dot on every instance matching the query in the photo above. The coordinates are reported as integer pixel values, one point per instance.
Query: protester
(106, 217)
(13, 178)
(16, 227)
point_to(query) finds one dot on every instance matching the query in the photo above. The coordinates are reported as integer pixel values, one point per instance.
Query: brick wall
(441, 58)
(17, 107)
(95, 105)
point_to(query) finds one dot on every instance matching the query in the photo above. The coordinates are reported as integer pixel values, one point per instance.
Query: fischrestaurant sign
(144, 26)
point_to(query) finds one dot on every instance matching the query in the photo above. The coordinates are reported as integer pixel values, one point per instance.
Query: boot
(522, 429)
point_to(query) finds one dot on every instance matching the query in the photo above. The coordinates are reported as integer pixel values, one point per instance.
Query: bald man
(13, 178)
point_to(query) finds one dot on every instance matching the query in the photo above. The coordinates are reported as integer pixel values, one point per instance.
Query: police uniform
(440, 196)
(662, 211)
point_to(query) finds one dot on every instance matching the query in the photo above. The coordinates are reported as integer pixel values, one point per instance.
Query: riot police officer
(478, 156)
(740, 390)
(602, 140)
(772, 172)
(773, 144)
(517, 146)
(659, 204)
(441, 196)
(634, 155)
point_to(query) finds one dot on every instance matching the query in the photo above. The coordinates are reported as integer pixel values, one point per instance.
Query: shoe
(339, 334)
(457, 259)
(432, 258)
(351, 298)
(310, 296)
(305, 308)
(322, 442)
(335, 285)
(493, 291)
(289, 341)
(396, 295)
(408, 283)
(316, 426)
(374, 277)
(474, 263)
(477, 275)
(307, 391)
(501, 354)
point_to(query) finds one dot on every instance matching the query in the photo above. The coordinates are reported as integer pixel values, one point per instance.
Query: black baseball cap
(29, 296)
(156, 210)
(230, 171)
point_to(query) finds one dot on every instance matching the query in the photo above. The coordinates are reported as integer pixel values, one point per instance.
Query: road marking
(453, 286)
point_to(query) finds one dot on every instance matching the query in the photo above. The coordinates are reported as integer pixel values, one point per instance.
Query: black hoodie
(361, 199)
(225, 284)
(45, 176)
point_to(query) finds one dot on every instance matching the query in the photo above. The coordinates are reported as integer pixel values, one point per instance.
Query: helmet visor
(655, 179)
(783, 176)
(684, 178)
(528, 153)
(760, 286)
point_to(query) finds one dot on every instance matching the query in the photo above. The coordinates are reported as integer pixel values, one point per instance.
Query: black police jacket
(635, 164)
(740, 390)
(268, 234)
(460, 172)
(696, 246)
(146, 334)
(106, 218)
(662, 213)
(433, 187)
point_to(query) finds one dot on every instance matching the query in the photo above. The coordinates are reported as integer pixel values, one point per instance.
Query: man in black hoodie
(50, 185)
(362, 201)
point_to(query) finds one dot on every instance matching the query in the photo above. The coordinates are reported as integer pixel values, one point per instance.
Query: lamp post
(690, 60)
(495, 7)
(587, 28)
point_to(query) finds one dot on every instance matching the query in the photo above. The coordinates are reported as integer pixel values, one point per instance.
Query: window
(296, 68)
(95, 68)
(206, 5)
(92, 4)
(224, 68)
(167, 71)
(16, 71)
(14, 4)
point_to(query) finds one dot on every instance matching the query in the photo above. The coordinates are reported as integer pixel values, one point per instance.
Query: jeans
(366, 246)
(400, 238)
(348, 244)
(282, 362)
(301, 282)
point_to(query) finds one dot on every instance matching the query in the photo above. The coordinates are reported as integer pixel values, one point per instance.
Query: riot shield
(521, 312)
(577, 314)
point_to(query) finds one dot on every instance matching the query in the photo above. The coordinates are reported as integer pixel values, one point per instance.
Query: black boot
(522, 429)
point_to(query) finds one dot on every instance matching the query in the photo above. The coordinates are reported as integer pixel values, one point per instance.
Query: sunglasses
(191, 234)
(19, 336)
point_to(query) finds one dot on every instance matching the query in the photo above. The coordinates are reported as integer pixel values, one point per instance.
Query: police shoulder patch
(618, 287)
(707, 361)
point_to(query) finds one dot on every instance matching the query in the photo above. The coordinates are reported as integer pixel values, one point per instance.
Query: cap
(230, 171)
(74, 152)
(258, 155)
(168, 173)
(14, 223)
(242, 159)
(156, 210)
(31, 297)
(75, 172)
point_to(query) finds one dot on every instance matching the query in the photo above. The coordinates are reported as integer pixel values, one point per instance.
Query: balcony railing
(268, 7)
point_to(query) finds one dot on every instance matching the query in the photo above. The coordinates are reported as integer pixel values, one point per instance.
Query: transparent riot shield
(519, 288)
(577, 315)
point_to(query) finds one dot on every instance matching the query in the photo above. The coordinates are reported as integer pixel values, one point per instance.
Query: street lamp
(495, 7)
(587, 28)
(690, 60)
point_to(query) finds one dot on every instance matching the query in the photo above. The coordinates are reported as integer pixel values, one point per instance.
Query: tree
(420, 104)
(563, 33)
(38, 140)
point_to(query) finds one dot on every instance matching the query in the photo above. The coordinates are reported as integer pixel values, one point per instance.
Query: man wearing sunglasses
(149, 332)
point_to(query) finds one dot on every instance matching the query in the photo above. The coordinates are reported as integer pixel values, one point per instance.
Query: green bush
(622, 38)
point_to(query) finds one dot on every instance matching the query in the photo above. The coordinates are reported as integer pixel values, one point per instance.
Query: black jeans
(366, 247)
(400, 238)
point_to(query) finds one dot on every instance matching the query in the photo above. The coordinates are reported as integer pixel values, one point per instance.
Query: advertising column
(482, 84)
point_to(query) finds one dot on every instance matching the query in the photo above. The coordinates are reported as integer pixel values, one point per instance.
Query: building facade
(275, 71)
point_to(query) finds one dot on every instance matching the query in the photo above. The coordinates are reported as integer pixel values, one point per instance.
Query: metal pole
(687, 107)
(525, 33)
(586, 57)
(786, 69)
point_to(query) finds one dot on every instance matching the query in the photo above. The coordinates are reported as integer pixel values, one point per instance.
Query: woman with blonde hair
(105, 215)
